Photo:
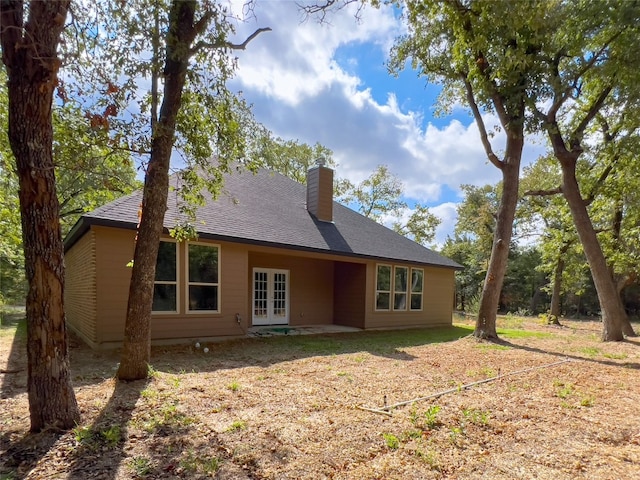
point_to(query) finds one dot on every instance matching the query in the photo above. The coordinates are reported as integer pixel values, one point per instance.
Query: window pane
(166, 262)
(203, 297)
(416, 280)
(164, 298)
(416, 301)
(401, 279)
(400, 301)
(382, 301)
(203, 264)
(384, 278)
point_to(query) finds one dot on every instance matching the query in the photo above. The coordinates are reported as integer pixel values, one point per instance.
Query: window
(400, 288)
(417, 276)
(383, 287)
(203, 277)
(407, 290)
(165, 287)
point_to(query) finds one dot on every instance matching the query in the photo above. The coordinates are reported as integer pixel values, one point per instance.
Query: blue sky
(328, 83)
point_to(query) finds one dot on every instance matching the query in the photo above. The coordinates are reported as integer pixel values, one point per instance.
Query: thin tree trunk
(136, 354)
(29, 53)
(486, 321)
(555, 311)
(613, 313)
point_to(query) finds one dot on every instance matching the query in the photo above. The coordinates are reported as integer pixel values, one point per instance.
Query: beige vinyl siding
(80, 288)
(114, 250)
(310, 286)
(438, 284)
(233, 300)
(349, 294)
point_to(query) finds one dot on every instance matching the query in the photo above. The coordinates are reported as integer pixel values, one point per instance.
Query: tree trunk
(613, 313)
(486, 321)
(136, 354)
(555, 311)
(29, 53)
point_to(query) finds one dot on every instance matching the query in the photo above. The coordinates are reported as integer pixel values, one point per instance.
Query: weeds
(475, 416)
(237, 425)
(391, 441)
(141, 466)
(234, 386)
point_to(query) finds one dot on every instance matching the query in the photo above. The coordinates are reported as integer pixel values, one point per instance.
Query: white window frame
(188, 283)
(412, 293)
(168, 282)
(388, 292)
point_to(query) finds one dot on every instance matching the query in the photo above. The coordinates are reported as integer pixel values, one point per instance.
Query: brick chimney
(320, 191)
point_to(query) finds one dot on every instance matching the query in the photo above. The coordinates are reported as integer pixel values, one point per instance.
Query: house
(270, 251)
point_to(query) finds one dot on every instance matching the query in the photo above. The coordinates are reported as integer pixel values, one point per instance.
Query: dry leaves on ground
(291, 407)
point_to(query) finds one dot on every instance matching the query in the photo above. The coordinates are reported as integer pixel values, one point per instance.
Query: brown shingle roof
(268, 208)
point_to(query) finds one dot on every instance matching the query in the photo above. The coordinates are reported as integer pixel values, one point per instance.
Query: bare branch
(233, 46)
(484, 138)
(325, 7)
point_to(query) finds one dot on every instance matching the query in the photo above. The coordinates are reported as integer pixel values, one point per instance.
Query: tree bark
(613, 314)
(555, 312)
(486, 321)
(136, 354)
(29, 53)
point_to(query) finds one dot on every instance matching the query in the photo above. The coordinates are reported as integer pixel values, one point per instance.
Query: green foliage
(391, 441)
(141, 466)
(379, 197)
(237, 425)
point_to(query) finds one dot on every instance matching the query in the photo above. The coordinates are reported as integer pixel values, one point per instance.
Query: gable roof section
(269, 209)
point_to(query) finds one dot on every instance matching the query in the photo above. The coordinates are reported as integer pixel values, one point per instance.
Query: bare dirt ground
(291, 408)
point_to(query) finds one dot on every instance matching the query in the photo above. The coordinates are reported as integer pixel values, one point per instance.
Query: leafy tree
(476, 51)
(29, 54)
(379, 197)
(587, 64)
(182, 48)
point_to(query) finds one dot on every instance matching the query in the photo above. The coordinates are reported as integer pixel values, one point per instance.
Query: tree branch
(543, 193)
(233, 46)
(484, 138)
(576, 136)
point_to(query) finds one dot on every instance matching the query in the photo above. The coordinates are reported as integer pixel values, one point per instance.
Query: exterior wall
(310, 286)
(438, 291)
(80, 288)
(114, 250)
(349, 292)
(323, 289)
(233, 300)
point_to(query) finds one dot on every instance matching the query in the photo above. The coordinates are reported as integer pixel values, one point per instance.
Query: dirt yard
(564, 406)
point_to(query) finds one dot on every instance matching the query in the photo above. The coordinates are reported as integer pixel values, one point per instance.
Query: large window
(399, 291)
(203, 277)
(165, 287)
(383, 287)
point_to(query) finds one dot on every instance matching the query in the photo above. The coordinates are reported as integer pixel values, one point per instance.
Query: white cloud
(300, 91)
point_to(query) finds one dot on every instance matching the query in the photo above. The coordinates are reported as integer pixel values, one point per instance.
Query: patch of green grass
(477, 417)
(385, 342)
(492, 346)
(615, 356)
(391, 441)
(430, 458)
(587, 401)
(141, 466)
(83, 434)
(234, 386)
(8, 476)
(191, 463)
(510, 333)
(237, 425)
(10, 327)
(111, 435)
(590, 351)
(564, 389)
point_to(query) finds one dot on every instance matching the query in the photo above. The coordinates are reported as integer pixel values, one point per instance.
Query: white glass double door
(270, 296)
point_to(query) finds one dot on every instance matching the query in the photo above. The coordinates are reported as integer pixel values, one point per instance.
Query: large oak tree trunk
(29, 53)
(137, 335)
(613, 314)
(486, 321)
